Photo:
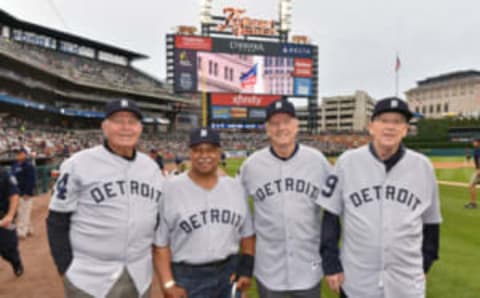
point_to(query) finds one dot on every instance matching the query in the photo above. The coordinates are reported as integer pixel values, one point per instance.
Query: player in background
(24, 172)
(104, 212)
(153, 153)
(284, 180)
(475, 176)
(8, 235)
(205, 219)
(387, 198)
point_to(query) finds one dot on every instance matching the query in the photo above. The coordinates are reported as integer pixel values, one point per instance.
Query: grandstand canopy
(450, 76)
(13, 22)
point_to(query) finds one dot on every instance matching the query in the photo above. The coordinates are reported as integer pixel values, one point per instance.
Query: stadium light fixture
(285, 15)
(206, 11)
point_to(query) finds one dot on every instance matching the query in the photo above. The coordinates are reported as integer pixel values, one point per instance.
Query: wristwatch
(169, 284)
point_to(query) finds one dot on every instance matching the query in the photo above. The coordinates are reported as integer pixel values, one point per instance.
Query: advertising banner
(302, 87)
(220, 113)
(243, 100)
(198, 43)
(185, 71)
(303, 67)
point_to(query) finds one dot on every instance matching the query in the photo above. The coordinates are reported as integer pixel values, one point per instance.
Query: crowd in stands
(50, 141)
(82, 69)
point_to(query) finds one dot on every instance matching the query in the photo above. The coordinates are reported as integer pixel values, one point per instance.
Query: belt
(214, 264)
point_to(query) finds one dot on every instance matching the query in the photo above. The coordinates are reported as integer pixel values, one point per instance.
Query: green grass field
(457, 273)
(447, 158)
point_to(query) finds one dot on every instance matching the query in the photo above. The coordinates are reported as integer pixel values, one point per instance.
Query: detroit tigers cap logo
(203, 133)
(278, 105)
(394, 104)
(124, 103)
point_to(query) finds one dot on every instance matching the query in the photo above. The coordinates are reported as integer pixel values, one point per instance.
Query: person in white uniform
(205, 221)
(387, 199)
(104, 212)
(285, 180)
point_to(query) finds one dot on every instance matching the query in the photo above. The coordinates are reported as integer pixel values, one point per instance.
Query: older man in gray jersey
(104, 212)
(387, 198)
(285, 180)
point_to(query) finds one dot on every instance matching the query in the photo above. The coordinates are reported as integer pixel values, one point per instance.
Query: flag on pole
(397, 64)
(250, 77)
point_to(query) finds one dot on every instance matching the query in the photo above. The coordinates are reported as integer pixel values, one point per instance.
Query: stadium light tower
(285, 11)
(205, 14)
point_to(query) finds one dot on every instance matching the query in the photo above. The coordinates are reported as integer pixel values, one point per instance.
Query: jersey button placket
(385, 229)
(287, 224)
(207, 202)
(131, 224)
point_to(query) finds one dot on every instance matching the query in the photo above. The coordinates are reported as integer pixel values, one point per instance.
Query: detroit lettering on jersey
(113, 189)
(389, 192)
(286, 185)
(212, 216)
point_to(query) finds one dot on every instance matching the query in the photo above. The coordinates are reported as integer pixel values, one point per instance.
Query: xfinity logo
(246, 100)
(246, 47)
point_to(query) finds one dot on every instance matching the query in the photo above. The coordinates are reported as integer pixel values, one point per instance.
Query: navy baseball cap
(204, 135)
(280, 106)
(392, 104)
(122, 105)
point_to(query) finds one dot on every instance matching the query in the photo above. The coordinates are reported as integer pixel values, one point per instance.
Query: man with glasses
(285, 180)
(104, 212)
(387, 198)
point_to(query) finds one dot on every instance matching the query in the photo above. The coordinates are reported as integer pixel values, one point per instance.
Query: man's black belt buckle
(215, 264)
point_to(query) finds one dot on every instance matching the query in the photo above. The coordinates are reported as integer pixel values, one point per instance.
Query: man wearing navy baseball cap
(108, 195)
(202, 209)
(284, 180)
(391, 190)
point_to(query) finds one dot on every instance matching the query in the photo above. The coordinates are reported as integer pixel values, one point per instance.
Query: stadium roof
(450, 76)
(10, 20)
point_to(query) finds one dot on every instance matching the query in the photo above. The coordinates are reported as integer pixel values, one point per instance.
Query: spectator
(24, 172)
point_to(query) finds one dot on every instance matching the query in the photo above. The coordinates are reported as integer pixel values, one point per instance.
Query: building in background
(349, 113)
(455, 94)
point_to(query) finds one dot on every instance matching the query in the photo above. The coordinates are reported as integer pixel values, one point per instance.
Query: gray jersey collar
(285, 158)
(105, 144)
(392, 161)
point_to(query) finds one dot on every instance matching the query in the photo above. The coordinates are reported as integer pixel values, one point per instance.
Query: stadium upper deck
(61, 73)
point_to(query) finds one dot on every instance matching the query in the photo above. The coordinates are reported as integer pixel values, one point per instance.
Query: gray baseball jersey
(286, 218)
(383, 216)
(203, 226)
(115, 204)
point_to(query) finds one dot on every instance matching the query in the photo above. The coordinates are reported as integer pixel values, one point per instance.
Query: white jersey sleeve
(246, 230)
(331, 195)
(66, 193)
(432, 214)
(163, 230)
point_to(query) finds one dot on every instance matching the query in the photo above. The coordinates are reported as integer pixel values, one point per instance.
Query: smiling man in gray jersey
(104, 212)
(387, 198)
(285, 180)
(206, 219)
